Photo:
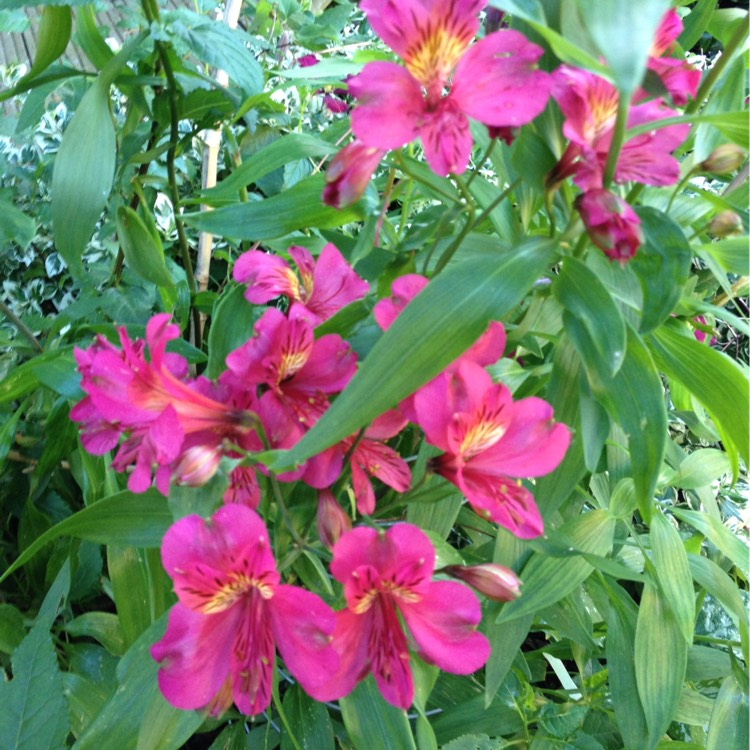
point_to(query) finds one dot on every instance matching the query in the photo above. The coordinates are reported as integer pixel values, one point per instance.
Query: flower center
(236, 586)
(480, 436)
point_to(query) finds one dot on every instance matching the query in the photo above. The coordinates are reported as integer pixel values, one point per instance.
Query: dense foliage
(376, 376)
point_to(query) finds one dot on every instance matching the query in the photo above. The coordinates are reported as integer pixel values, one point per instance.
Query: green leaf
(475, 742)
(371, 722)
(300, 207)
(694, 24)
(123, 518)
(53, 35)
(143, 252)
(729, 253)
(700, 468)
(660, 662)
(217, 44)
(733, 125)
(693, 708)
(719, 383)
(137, 715)
(712, 578)
(662, 265)
(625, 53)
(634, 399)
(89, 39)
(308, 720)
(717, 534)
(620, 652)
(130, 590)
(85, 165)
(12, 630)
(101, 626)
(231, 326)
(435, 328)
(284, 150)
(23, 379)
(673, 573)
(584, 297)
(35, 712)
(728, 728)
(15, 226)
(506, 639)
(546, 579)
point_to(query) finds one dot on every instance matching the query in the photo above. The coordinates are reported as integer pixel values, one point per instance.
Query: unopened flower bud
(494, 581)
(611, 223)
(348, 174)
(197, 465)
(725, 223)
(724, 159)
(332, 521)
(307, 61)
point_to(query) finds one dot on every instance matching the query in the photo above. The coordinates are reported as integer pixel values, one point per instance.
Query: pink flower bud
(611, 223)
(507, 134)
(307, 61)
(494, 581)
(725, 223)
(348, 174)
(332, 521)
(197, 465)
(724, 159)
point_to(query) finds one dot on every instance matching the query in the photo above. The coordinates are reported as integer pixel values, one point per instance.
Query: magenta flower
(232, 614)
(168, 419)
(322, 288)
(494, 81)
(388, 576)
(494, 581)
(489, 440)
(349, 172)
(589, 105)
(611, 224)
(331, 520)
(678, 76)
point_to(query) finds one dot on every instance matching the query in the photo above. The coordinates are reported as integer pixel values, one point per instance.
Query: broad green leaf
(719, 383)
(506, 639)
(717, 534)
(673, 573)
(660, 662)
(729, 253)
(137, 715)
(584, 297)
(53, 35)
(231, 326)
(371, 722)
(694, 24)
(625, 53)
(634, 399)
(143, 252)
(284, 150)
(693, 708)
(548, 579)
(712, 578)
(15, 226)
(528, 10)
(435, 328)
(728, 728)
(733, 125)
(308, 720)
(300, 207)
(35, 712)
(623, 500)
(700, 468)
(217, 44)
(470, 716)
(706, 663)
(101, 626)
(89, 38)
(12, 630)
(130, 589)
(124, 518)
(85, 165)
(475, 742)
(661, 264)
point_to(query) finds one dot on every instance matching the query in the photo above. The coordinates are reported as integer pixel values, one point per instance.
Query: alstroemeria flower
(349, 172)
(678, 76)
(232, 615)
(494, 81)
(387, 574)
(611, 224)
(162, 413)
(322, 288)
(589, 105)
(489, 440)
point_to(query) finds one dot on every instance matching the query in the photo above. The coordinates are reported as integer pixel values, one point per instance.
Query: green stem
(486, 155)
(23, 329)
(618, 138)
(710, 79)
(496, 202)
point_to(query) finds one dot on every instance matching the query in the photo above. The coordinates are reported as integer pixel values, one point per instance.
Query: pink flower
(232, 614)
(678, 76)
(332, 522)
(493, 81)
(320, 290)
(387, 575)
(349, 172)
(611, 224)
(168, 419)
(494, 581)
(589, 105)
(488, 440)
(307, 61)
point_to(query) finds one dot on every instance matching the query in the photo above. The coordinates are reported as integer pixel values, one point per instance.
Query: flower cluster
(446, 80)
(233, 611)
